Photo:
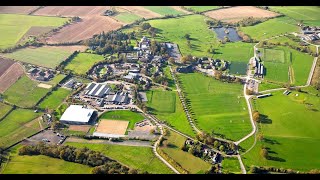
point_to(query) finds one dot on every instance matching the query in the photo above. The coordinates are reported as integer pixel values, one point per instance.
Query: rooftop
(76, 113)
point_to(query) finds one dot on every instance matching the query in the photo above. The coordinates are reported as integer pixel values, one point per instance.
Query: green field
(167, 73)
(236, 51)
(25, 92)
(4, 109)
(163, 10)
(174, 30)
(291, 132)
(18, 125)
(239, 68)
(274, 55)
(159, 103)
(231, 165)
(45, 56)
(270, 28)
(54, 99)
(309, 14)
(202, 8)
(42, 165)
(217, 106)
(266, 85)
(82, 62)
(276, 72)
(141, 158)
(130, 116)
(13, 26)
(57, 79)
(127, 17)
(189, 162)
(301, 64)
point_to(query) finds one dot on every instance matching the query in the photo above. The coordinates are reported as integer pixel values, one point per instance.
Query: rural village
(141, 92)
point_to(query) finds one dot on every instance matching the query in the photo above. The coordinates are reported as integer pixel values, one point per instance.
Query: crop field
(231, 165)
(141, 158)
(72, 11)
(17, 125)
(10, 76)
(202, 8)
(276, 72)
(309, 14)
(127, 17)
(54, 99)
(217, 106)
(163, 10)
(17, 9)
(177, 117)
(274, 55)
(34, 31)
(270, 28)
(290, 144)
(82, 62)
(85, 29)
(4, 109)
(5, 65)
(193, 164)
(234, 52)
(239, 68)
(46, 56)
(25, 92)
(140, 11)
(124, 115)
(14, 26)
(235, 14)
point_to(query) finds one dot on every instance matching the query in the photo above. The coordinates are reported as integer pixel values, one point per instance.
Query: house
(77, 114)
(33, 70)
(185, 69)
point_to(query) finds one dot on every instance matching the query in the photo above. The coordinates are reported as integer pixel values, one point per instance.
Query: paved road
(243, 169)
(312, 71)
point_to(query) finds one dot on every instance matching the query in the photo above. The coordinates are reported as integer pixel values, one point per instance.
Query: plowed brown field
(140, 11)
(70, 11)
(5, 64)
(17, 9)
(10, 76)
(235, 14)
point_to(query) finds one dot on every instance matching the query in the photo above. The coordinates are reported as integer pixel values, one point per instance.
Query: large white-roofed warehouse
(77, 114)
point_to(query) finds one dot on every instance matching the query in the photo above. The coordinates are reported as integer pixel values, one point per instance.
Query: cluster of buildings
(217, 64)
(41, 74)
(72, 84)
(214, 157)
(310, 33)
(258, 67)
(101, 71)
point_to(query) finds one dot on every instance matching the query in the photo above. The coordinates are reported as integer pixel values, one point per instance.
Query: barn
(77, 114)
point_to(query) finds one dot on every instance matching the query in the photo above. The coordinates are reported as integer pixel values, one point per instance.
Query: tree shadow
(193, 39)
(264, 119)
(270, 141)
(272, 158)
(171, 145)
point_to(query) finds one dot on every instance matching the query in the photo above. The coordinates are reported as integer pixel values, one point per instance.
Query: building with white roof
(77, 114)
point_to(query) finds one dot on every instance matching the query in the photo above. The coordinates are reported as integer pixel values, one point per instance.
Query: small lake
(232, 35)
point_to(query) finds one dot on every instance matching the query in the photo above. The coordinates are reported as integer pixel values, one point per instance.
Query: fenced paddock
(111, 127)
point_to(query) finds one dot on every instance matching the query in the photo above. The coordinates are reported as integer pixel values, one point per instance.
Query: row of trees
(209, 139)
(267, 169)
(102, 164)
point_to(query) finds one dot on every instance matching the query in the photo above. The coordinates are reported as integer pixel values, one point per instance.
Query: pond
(230, 32)
(238, 68)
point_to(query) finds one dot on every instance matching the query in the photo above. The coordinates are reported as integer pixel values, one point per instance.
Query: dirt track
(235, 14)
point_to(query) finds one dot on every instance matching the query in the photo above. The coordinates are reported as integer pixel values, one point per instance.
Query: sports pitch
(112, 127)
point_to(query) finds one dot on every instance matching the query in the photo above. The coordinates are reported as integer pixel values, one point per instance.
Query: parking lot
(49, 135)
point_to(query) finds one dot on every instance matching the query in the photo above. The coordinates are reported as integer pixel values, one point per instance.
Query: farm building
(185, 69)
(118, 98)
(97, 90)
(77, 114)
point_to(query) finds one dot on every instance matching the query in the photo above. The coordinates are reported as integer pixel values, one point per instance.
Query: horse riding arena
(116, 127)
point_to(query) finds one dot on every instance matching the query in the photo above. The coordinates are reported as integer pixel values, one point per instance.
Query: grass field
(43, 56)
(239, 68)
(274, 55)
(130, 116)
(277, 72)
(141, 158)
(25, 92)
(217, 106)
(163, 10)
(42, 165)
(82, 62)
(167, 73)
(13, 26)
(202, 8)
(4, 109)
(309, 14)
(266, 85)
(54, 99)
(231, 165)
(234, 52)
(189, 162)
(270, 28)
(158, 103)
(127, 17)
(291, 132)
(57, 79)
(17, 126)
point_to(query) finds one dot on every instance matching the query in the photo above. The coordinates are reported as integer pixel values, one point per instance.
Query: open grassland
(202, 8)
(231, 165)
(301, 64)
(141, 158)
(82, 62)
(236, 51)
(41, 165)
(167, 73)
(54, 99)
(189, 162)
(174, 30)
(276, 72)
(216, 105)
(308, 14)
(270, 28)
(46, 56)
(274, 55)
(291, 132)
(163, 10)
(18, 125)
(130, 116)
(4, 109)
(158, 103)
(267, 85)
(57, 79)
(14, 26)
(127, 17)
(25, 92)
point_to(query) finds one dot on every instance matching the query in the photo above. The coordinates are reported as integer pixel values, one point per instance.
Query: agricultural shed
(77, 114)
